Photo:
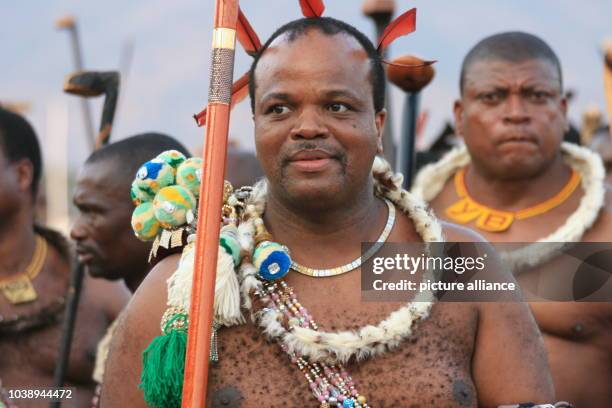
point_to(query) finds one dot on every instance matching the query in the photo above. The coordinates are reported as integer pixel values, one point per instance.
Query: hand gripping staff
(211, 193)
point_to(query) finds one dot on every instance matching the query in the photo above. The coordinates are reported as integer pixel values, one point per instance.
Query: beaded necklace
(330, 384)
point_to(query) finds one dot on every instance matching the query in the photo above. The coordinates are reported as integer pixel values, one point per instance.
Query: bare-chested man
(34, 273)
(512, 116)
(105, 242)
(318, 95)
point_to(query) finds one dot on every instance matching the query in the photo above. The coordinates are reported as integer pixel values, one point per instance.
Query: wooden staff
(209, 210)
(84, 84)
(411, 74)
(381, 12)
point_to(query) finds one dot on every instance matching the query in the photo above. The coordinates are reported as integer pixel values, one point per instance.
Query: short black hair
(514, 47)
(130, 153)
(19, 141)
(328, 26)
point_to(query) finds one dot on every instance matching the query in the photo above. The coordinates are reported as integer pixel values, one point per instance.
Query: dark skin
(102, 231)
(318, 112)
(512, 117)
(29, 358)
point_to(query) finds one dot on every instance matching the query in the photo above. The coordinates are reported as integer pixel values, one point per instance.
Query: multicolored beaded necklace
(330, 384)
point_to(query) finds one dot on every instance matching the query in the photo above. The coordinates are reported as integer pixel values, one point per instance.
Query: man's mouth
(311, 161)
(518, 140)
(84, 256)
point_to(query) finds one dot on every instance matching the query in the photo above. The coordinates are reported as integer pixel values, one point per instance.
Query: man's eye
(539, 96)
(278, 109)
(490, 97)
(338, 107)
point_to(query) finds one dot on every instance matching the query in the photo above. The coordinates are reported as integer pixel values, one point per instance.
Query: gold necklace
(321, 273)
(492, 220)
(19, 289)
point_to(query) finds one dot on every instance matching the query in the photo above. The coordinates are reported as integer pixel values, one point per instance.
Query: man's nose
(310, 124)
(516, 111)
(78, 232)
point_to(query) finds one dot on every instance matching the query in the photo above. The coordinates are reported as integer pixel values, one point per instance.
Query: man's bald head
(328, 26)
(512, 47)
(127, 155)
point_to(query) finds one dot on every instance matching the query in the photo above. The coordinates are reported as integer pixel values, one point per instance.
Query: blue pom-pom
(275, 266)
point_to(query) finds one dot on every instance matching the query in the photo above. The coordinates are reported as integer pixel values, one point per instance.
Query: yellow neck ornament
(466, 209)
(18, 288)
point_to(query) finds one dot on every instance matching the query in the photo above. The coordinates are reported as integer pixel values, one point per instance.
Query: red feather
(246, 35)
(240, 89)
(403, 25)
(312, 8)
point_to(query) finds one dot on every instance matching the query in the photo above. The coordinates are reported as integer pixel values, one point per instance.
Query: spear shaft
(209, 208)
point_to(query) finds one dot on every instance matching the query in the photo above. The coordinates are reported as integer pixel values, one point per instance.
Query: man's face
(512, 117)
(316, 131)
(102, 230)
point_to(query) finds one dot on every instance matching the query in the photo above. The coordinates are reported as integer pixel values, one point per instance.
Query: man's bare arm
(510, 363)
(139, 325)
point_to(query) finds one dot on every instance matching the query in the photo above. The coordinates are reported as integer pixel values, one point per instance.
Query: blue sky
(168, 77)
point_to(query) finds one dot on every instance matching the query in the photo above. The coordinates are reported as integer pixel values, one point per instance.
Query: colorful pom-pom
(172, 157)
(228, 239)
(189, 175)
(144, 223)
(153, 176)
(272, 260)
(138, 195)
(174, 206)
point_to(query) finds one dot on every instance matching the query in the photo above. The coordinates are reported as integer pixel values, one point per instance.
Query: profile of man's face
(512, 116)
(316, 131)
(104, 239)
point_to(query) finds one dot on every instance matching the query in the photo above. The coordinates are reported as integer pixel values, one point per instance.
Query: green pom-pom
(144, 223)
(163, 365)
(152, 177)
(189, 175)
(172, 157)
(173, 204)
(228, 239)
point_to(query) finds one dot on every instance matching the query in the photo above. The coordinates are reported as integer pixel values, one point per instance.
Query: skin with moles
(512, 117)
(316, 135)
(29, 358)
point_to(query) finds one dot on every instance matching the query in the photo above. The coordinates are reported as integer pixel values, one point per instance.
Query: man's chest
(430, 369)
(35, 352)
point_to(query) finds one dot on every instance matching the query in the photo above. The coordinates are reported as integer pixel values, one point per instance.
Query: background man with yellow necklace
(34, 273)
(516, 182)
(317, 92)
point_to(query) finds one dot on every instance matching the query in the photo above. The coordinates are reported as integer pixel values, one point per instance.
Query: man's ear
(25, 174)
(458, 113)
(379, 120)
(563, 106)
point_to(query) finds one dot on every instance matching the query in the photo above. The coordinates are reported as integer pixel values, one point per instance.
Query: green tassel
(163, 365)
